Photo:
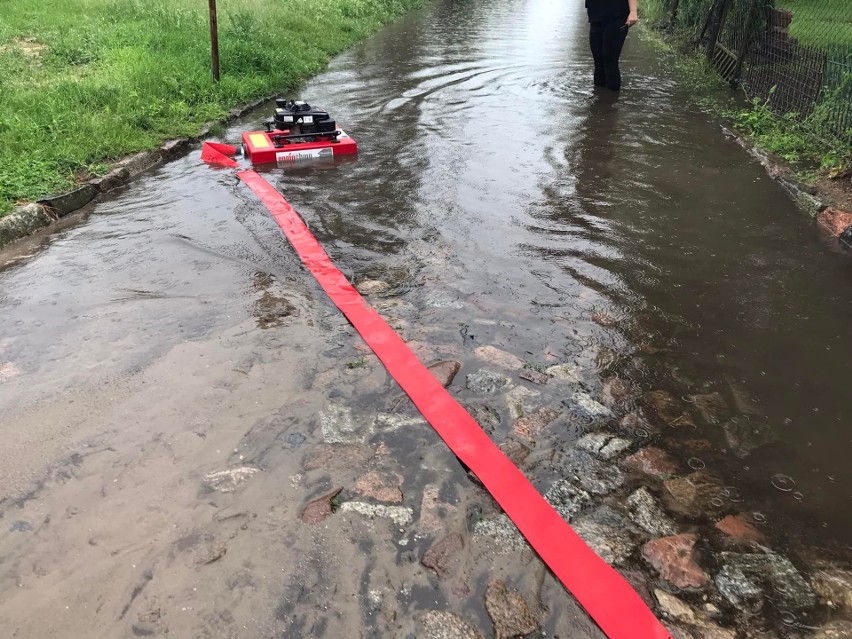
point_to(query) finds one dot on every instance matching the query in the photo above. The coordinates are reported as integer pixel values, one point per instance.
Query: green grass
(808, 145)
(84, 82)
(820, 23)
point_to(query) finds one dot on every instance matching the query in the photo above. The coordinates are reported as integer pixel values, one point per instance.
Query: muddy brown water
(170, 333)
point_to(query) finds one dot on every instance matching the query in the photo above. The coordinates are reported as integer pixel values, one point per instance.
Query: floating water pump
(296, 132)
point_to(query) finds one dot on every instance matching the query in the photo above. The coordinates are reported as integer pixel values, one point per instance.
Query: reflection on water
(490, 168)
(497, 191)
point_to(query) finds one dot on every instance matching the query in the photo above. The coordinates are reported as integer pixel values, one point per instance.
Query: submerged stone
(438, 624)
(608, 533)
(652, 461)
(509, 611)
(745, 579)
(372, 287)
(674, 608)
(602, 445)
(534, 376)
(227, 481)
(712, 407)
(646, 513)
(338, 427)
(521, 401)
(674, 558)
(515, 451)
(566, 372)
(567, 498)
(498, 357)
(399, 515)
(530, 425)
(589, 473)
(487, 417)
(485, 382)
(738, 528)
(441, 554)
(381, 486)
(318, 509)
(616, 391)
(833, 585)
(745, 436)
(445, 372)
(585, 405)
(667, 409)
(696, 493)
(503, 532)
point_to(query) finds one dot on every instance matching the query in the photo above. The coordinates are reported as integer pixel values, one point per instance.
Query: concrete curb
(809, 198)
(28, 218)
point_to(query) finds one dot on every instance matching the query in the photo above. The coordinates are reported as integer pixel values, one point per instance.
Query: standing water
(505, 202)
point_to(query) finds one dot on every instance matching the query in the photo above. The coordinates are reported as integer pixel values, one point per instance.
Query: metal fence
(795, 54)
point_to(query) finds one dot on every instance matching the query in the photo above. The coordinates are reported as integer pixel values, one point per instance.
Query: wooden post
(214, 40)
(673, 17)
(695, 41)
(741, 54)
(716, 29)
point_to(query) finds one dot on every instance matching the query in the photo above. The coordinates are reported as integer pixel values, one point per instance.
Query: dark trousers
(607, 40)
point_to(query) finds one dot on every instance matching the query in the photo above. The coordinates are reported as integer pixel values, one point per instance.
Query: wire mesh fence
(794, 54)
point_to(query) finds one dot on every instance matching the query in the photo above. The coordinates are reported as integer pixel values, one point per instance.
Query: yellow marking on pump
(259, 140)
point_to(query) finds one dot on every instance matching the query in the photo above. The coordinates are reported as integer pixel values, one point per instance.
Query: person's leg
(614, 34)
(596, 42)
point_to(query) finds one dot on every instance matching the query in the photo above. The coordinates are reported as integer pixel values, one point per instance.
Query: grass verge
(810, 147)
(85, 82)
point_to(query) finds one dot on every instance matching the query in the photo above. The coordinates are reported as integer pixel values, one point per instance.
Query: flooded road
(507, 216)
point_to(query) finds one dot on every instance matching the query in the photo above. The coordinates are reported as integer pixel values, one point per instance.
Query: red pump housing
(262, 147)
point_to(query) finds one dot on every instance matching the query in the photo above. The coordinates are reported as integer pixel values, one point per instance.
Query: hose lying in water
(604, 593)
